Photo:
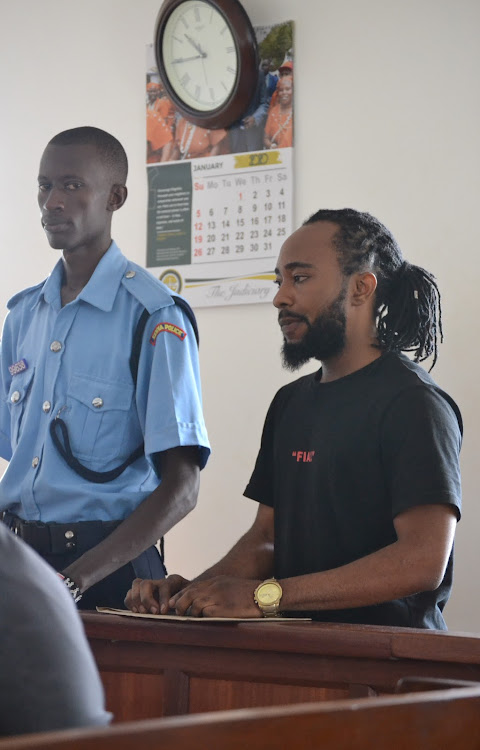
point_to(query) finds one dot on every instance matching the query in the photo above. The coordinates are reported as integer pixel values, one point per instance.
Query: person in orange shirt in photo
(285, 69)
(193, 142)
(279, 125)
(160, 118)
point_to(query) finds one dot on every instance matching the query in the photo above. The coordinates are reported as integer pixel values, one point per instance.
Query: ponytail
(409, 313)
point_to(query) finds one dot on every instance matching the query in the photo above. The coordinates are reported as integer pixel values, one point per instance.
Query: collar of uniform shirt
(102, 287)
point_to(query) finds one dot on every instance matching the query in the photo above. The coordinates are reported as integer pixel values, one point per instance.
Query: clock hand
(187, 59)
(196, 45)
(204, 72)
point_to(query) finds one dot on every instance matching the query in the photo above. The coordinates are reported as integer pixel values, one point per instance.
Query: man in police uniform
(101, 421)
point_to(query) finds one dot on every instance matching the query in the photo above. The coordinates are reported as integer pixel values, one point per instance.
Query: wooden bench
(435, 720)
(156, 669)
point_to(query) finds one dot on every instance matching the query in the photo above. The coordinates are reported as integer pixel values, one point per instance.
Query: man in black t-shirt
(357, 477)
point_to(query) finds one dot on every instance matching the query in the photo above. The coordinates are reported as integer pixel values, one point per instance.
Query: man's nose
(283, 297)
(52, 200)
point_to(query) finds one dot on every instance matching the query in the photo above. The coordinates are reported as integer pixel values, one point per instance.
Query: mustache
(286, 314)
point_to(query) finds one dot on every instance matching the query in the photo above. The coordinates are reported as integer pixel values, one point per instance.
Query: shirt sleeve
(421, 440)
(261, 484)
(169, 398)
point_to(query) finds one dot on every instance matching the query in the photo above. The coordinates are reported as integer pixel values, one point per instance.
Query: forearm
(171, 501)
(390, 573)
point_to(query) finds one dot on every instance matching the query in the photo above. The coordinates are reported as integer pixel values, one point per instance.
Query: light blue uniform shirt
(77, 366)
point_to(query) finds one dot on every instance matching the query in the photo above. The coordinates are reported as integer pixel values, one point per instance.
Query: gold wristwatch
(267, 596)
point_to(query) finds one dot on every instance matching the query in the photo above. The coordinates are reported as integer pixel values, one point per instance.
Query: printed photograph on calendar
(267, 123)
(220, 200)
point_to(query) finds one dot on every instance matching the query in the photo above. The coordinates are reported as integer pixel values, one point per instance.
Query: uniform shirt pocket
(98, 418)
(17, 401)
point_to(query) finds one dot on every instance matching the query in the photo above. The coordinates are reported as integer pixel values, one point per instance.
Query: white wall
(387, 120)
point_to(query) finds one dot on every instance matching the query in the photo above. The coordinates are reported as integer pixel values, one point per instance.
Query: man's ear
(363, 288)
(117, 197)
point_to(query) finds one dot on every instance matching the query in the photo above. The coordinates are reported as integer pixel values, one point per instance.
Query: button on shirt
(78, 368)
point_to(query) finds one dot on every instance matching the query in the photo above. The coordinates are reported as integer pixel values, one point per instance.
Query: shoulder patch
(165, 327)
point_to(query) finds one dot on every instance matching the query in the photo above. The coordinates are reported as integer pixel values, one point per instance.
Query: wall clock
(207, 58)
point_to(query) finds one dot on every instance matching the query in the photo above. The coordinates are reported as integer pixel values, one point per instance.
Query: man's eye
(277, 282)
(73, 185)
(299, 278)
(42, 186)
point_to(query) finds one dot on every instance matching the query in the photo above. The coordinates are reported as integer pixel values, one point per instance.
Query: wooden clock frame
(246, 80)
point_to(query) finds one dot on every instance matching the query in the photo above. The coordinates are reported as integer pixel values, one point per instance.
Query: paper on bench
(184, 618)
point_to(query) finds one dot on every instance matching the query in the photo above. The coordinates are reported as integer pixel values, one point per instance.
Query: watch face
(268, 593)
(200, 55)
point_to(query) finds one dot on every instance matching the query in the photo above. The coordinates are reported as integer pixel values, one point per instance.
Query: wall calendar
(220, 202)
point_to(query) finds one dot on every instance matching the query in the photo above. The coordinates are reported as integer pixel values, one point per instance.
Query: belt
(59, 538)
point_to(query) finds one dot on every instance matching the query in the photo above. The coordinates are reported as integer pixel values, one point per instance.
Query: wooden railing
(154, 669)
(438, 720)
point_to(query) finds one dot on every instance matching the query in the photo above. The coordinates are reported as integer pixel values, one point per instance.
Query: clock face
(268, 593)
(200, 55)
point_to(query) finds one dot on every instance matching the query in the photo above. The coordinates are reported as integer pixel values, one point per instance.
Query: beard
(325, 337)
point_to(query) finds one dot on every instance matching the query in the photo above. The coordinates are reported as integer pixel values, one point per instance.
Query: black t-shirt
(339, 460)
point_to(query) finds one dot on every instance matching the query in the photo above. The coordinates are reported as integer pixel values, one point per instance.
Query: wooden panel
(129, 695)
(309, 670)
(176, 698)
(214, 695)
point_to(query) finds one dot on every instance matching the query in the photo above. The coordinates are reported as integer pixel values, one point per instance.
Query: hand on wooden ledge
(152, 597)
(221, 596)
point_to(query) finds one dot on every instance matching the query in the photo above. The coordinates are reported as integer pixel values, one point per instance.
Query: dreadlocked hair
(407, 303)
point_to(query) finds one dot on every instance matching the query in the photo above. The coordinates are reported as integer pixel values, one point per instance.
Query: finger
(132, 599)
(168, 594)
(204, 599)
(152, 596)
(200, 605)
(170, 585)
(179, 591)
(184, 601)
(148, 596)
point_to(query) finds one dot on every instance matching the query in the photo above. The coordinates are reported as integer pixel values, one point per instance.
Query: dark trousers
(55, 543)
